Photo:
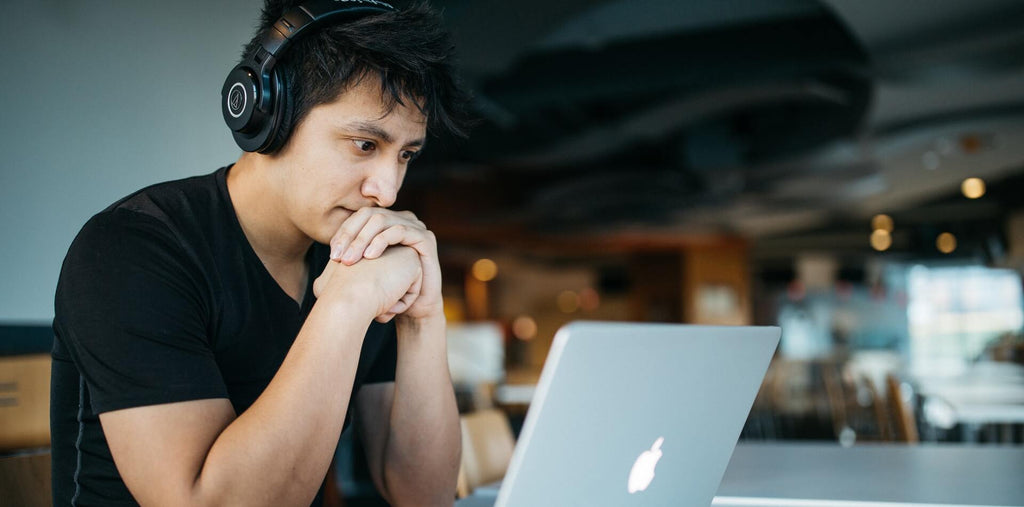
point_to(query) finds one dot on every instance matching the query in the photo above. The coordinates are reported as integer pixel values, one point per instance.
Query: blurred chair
(902, 411)
(487, 444)
(880, 408)
(25, 430)
(25, 479)
(858, 412)
(24, 402)
(836, 399)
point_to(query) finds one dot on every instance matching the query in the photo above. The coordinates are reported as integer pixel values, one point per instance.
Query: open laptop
(635, 414)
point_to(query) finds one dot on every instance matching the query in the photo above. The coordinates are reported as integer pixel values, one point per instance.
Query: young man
(214, 335)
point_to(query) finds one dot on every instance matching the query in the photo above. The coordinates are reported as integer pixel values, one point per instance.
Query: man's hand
(414, 458)
(369, 232)
(388, 283)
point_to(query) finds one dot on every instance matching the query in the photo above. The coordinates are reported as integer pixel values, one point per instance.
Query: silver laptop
(636, 414)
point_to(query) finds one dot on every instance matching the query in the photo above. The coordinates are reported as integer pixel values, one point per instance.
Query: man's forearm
(424, 444)
(277, 451)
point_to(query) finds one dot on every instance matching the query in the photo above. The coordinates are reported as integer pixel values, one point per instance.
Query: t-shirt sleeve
(386, 360)
(130, 309)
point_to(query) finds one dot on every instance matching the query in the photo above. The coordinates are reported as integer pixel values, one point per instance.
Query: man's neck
(261, 213)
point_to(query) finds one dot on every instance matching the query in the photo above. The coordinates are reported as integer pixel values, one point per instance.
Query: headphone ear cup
(240, 105)
(281, 119)
(238, 100)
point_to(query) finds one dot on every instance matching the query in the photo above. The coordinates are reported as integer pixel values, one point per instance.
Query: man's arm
(410, 431)
(277, 451)
(414, 454)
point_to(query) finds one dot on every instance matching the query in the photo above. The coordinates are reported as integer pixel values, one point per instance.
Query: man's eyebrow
(375, 131)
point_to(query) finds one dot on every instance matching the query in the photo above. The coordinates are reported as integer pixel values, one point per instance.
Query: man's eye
(409, 155)
(364, 145)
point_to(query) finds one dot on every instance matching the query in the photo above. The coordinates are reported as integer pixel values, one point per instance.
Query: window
(954, 312)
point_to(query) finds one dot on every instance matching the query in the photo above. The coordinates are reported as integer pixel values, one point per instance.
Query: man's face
(346, 155)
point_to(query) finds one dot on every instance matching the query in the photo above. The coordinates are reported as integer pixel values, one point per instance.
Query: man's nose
(382, 184)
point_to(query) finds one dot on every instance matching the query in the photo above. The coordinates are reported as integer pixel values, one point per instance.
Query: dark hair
(408, 49)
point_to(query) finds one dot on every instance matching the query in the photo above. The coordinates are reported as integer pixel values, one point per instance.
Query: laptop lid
(636, 414)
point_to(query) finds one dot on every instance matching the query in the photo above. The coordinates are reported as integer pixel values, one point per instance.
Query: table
(975, 400)
(827, 475)
(824, 475)
(515, 394)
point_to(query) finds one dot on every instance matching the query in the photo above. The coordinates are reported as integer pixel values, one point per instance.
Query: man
(214, 335)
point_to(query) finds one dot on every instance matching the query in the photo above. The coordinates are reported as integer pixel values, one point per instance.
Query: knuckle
(364, 237)
(341, 235)
(349, 229)
(377, 220)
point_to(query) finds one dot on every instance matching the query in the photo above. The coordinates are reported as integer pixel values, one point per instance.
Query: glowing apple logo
(643, 470)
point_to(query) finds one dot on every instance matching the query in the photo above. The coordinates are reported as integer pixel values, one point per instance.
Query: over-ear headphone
(255, 98)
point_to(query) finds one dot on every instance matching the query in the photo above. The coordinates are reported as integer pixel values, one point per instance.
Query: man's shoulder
(169, 200)
(166, 215)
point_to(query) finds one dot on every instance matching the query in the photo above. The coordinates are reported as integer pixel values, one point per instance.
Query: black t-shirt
(161, 299)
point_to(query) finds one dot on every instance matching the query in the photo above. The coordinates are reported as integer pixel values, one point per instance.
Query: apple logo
(643, 469)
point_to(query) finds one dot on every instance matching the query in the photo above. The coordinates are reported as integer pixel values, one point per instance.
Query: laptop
(635, 414)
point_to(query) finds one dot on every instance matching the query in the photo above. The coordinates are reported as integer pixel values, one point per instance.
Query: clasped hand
(403, 286)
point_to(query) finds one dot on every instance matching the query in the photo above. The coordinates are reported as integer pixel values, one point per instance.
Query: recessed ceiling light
(973, 188)
(946, 243)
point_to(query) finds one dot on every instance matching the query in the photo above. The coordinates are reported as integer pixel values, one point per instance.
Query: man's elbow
(418, 488)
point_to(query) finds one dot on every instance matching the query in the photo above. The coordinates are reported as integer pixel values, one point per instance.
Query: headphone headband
(298, 20)
(252, 96)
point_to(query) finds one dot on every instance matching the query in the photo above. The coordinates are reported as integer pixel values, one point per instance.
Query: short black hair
(408, 49)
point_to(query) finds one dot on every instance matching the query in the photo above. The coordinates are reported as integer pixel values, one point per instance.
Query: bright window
(954, 312)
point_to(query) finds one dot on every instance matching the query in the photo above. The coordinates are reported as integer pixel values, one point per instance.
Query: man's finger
(350, 242)
(348, 231)
(394, 235)
(374, 226)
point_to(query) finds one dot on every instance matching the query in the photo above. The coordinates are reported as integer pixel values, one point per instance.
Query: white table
(515, 394)
(975, 391)
(827, 475)
(976, 400)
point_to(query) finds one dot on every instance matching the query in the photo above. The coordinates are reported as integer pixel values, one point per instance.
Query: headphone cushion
(282, 116)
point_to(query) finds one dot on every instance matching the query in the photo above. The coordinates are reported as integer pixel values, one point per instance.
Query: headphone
(255, 98)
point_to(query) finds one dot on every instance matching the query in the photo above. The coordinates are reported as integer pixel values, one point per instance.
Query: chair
(25, 479)
(25, 430)
(487, 445)
(24, 402)
(858, 412)
(902, 412)
(836, 398)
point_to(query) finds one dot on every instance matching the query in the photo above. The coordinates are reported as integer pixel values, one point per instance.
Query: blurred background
(849, 170)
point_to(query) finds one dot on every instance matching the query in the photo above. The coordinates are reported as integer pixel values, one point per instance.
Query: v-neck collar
(306, 303)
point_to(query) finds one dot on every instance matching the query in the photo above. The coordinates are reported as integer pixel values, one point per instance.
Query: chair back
(24, 402)
(903, 413)
(487, 444)
(25, 479)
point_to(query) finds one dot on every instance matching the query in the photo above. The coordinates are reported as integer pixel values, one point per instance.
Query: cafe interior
(850, 171)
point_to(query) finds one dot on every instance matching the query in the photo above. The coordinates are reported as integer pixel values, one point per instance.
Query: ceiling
(773, 120)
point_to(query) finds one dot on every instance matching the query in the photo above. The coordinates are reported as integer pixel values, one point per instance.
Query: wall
(98, 99)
